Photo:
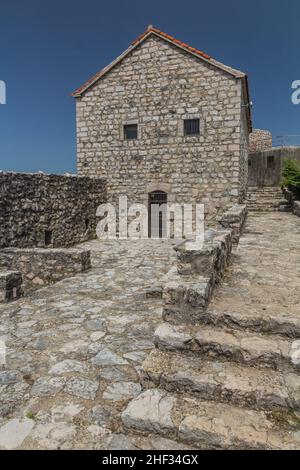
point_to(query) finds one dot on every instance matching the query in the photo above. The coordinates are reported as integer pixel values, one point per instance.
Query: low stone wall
(234, 219)
(296, 208)
(293, 205)
(41, 267)
(190, 285)
(38, 210)
(10, 286)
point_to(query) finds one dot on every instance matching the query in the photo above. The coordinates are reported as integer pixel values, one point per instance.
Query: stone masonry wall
(40, 266)
(54, 210)
(158, 86)
(260, 140)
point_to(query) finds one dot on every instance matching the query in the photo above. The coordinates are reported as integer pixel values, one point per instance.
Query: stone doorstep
(224, 382)
(205, 425)
(241, 347)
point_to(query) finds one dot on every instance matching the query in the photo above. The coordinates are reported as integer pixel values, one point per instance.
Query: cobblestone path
(74, 349)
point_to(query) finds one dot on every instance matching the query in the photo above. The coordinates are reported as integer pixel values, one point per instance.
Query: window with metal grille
(191, 126)
(130, 131)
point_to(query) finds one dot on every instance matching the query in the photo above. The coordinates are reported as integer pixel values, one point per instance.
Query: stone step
(264, 189)
(262, 209)
(263, 201)
(222, 381)
(285, 324)
(207, 425)
(243, 347)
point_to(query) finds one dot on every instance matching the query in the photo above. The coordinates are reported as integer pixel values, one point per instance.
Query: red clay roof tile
(149, 30)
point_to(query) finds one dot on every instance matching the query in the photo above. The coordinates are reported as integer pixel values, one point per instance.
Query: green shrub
(291, 176)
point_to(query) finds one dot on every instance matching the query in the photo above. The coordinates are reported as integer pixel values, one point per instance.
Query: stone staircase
(219, 381)
(264, 198)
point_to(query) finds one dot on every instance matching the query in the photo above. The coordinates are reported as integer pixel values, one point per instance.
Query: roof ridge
(152, 29)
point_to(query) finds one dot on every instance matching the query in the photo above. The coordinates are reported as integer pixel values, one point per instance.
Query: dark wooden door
(157, 214)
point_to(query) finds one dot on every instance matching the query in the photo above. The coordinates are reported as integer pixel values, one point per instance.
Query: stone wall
(48, 210)
(156, 87)
(191, 284)
(293, 205)
(234, 219)
(260, 140)
(41, 267)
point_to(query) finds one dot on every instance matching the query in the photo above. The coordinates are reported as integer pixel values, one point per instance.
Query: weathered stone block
(196, 261)
(296, 208)
(184, 301)
(10, 286)
(234, 219)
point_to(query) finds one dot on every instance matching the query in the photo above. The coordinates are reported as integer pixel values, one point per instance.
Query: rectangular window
(130, 131)
(191, 126)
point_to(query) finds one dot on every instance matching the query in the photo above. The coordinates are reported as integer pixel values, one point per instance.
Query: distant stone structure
(166, 118)
(260, 140)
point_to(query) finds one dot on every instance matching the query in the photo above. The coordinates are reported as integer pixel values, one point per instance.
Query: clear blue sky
(48, 48)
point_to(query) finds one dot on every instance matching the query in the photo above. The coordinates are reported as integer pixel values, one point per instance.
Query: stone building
(260, 140)
(166, 121)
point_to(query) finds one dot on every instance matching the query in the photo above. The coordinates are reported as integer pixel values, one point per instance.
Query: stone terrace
(75, 348)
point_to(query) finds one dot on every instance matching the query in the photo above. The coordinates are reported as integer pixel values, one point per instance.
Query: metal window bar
(191, 126)
(130, 131)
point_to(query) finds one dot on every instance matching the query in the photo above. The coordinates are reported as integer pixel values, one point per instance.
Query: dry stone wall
(38, 210)
(190, 286)
(156, 87)
(40, 266)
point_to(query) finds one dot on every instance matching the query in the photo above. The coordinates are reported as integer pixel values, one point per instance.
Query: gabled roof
(166, 37)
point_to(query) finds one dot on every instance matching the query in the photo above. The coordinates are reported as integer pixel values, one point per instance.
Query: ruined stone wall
(260, 140)
(158, 86)
(48, 210)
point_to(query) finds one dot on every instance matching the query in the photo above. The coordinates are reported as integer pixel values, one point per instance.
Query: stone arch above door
(158, 186)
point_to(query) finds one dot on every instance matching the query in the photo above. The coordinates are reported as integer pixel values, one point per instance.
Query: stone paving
(74, 350)
(232, 379)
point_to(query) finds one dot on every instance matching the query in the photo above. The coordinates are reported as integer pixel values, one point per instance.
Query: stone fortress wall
(39, 213)
(38, 210)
